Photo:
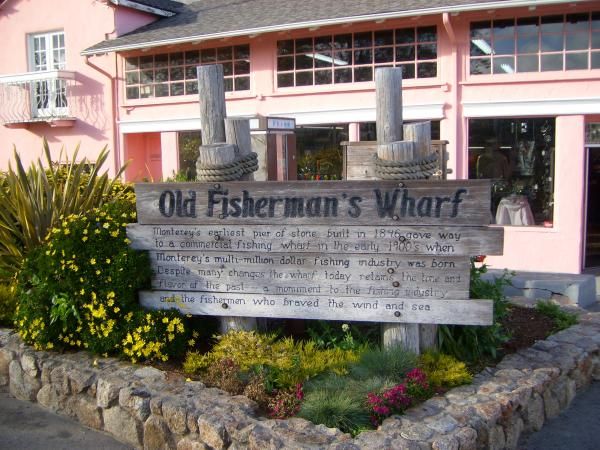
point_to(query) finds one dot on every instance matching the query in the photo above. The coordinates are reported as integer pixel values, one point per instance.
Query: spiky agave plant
(34, 200)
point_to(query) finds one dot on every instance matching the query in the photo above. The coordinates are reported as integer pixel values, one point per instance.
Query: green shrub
(472, 343)
(8, 304)
(79, 290)
(285, 362)
(347, 336)
(444, 370)
(35, 200)
(391, 364)
(562, 319)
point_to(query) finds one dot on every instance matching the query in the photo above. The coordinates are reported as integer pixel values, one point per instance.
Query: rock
(50, 398)
(21, 385)
(445, 443)
(496, 439)
(212, 432)
(29, 364)
(188, 444)
(59, 378)
(120, 423)
(157, 435)
(533, 413)
(551, 405)
(512, 432)
(415, 431)
(107, 391)
(467, 438)
(441, 423)
(136, 401)
(86, 411)
(259, 438)
(150, 374)
(80, 380)
(175, 416)
(6, 356)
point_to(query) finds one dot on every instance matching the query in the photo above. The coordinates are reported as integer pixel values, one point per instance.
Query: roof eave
(144, 8)
(324, 22)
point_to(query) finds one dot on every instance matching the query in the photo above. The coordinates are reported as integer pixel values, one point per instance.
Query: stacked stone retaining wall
(151, 409)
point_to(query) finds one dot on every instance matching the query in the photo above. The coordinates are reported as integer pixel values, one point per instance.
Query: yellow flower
(107, 260)
(85, 238)
(93, 261)
(117, 309)
(165, 320)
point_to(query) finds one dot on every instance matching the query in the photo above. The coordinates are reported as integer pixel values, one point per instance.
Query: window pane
(343, 75)
(304, 62)
(527, 44)
(304, 78)
(176, 73)
(242, 83)
(363, 56)
(408, 71)
(227, 68)
(147, 62)
(363, 74)
(552, 42)
(208, 55)
(161, 75)
(405, 53)
(176, 59)
(131, 63)
(132, 78)
(241, 67)
(241, 52)
(596, 39)
(552, 62)
(285, 79)
(224, 54)
(177, 89)
(161, 60)
(323, 77)
(192, 57)
(323, 59)
(385, 37)
(147, 76)
(285, 63)
(147, 91)
(363, 39)
(405, 36)
(228, 84)
(576, 61)
(480, 47)
(504, 29)
(577, 41)
(342, 41)
(285, 47)
(552, 24)
(595, 60)
(480, 66)
(426, 70)
(481, 30)
(323, 43)
(345, 56)
(527, 63)
(596, 20)
(161, 90)
(133, 93)
(304, 45)
(426, 34)
(504, 65)
(191, 73)
(504, 46)
(578, 22)
(426, 51)
(527, 26)
(384, 55)
(191, 87)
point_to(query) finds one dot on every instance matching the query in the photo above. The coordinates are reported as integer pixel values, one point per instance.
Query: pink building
(513, 86)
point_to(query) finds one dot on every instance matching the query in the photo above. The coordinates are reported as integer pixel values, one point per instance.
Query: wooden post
(212, 123)
(237, 132)
(211, 90)
(388, 94)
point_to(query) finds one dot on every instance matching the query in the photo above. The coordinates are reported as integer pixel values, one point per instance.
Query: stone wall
(151, 409)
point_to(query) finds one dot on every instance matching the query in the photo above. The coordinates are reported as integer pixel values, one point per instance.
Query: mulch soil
(525, 326)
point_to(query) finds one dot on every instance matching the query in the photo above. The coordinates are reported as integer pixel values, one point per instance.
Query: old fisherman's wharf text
(386, 203)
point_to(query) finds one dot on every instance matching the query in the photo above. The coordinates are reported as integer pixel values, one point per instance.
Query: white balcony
(36, 97)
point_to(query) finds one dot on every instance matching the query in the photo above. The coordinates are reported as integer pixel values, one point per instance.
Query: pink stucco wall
(91, 102)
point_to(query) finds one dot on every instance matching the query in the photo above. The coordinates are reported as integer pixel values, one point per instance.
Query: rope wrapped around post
(415, 169)
(227, 172)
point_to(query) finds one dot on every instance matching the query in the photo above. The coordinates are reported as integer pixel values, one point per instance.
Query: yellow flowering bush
(79, 289)
(444, 370)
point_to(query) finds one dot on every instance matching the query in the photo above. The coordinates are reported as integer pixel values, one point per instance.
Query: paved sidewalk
(577, 428)
(28, 426)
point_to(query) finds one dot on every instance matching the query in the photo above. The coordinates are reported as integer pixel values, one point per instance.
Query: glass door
(49, 97)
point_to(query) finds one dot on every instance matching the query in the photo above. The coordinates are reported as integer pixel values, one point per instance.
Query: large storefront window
(518, 155)
(536, 44)
(352, 57)
(319, 153)
(189, 150)
(368, 130)
(173, 74)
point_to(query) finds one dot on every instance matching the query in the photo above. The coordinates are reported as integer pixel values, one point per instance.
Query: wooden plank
(461, 312)
(457, 202)
(383, 240)
(331, 274)
(211, 92)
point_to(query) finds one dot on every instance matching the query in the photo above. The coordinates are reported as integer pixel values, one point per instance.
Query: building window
(189, 150)
(536, 44)
(174, 74)
(352, 57)
(319, 151)
(368, 130)
(592, 133)
(518, 156)
(47, 52)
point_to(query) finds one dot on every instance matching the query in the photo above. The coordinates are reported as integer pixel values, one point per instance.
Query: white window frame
(51, 93)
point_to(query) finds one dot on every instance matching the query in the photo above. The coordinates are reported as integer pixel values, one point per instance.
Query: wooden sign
(392, 240)
(372, 251)
(460, 312)
(309, 202)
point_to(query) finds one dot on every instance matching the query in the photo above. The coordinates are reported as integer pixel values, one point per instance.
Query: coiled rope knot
(415, 169)
(227, 172)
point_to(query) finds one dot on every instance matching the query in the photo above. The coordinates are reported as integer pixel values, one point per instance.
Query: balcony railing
(36, 97)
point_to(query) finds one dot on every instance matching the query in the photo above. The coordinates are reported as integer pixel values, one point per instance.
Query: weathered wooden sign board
(364, 251)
